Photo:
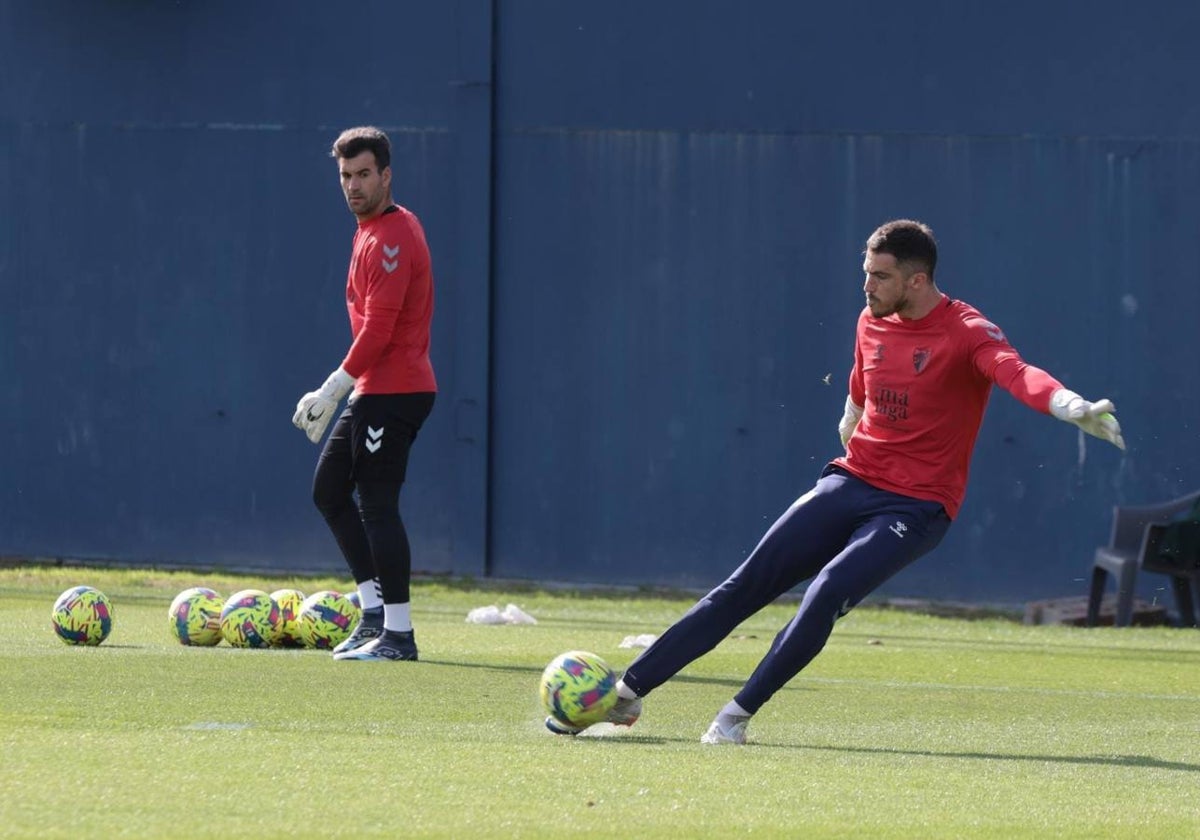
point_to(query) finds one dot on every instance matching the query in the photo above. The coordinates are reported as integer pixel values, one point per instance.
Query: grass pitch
(906, 726)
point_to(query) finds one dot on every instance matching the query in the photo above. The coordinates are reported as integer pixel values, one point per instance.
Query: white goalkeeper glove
(1095, 418)
(316, 408)
(849, 421)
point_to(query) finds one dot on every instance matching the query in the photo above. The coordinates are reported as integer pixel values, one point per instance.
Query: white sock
(733, 710)
(369, 594)
(624, 691)
(397, 617)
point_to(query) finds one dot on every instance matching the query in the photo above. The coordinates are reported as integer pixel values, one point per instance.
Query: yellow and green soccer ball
(578, 689)
(247, 619)
(195, 617)
(82, 616)
(326, 619)
(286, 630)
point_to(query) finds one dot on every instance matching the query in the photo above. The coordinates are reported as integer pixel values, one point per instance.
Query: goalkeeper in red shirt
(387, 372)
(924, 365)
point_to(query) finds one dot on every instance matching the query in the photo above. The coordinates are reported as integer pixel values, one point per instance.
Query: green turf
(906, 726)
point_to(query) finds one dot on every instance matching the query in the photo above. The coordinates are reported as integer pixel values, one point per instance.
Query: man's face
(365, 187)
(886, 285)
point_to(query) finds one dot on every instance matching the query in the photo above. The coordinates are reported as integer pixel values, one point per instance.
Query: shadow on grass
(1101, 760)
(616, 736)
(1027, 647)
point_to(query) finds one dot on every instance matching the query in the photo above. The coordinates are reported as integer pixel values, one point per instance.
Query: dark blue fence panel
(646, 222)
(944, 68)
(174, 267)
(677, 270)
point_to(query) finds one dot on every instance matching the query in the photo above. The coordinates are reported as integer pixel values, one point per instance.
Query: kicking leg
(891, 539)
(811, 531)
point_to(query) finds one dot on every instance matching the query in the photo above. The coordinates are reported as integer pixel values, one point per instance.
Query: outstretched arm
(1042, 392)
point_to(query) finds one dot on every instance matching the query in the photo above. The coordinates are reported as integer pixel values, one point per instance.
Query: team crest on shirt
(993, 332)
(921, 358)
(878, 357)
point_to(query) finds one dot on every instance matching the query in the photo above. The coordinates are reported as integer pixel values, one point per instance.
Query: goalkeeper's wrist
(849, 421)
(337, 385)
(853, 412)
(1062, 402)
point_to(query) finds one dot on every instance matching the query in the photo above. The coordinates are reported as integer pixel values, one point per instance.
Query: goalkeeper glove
(1095, 418)
(316, 408)
(849, 421)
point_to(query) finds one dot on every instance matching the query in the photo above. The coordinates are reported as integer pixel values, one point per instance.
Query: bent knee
(331, 498)
(832, 594)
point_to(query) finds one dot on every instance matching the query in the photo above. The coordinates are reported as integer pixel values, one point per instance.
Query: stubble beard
(368, 209)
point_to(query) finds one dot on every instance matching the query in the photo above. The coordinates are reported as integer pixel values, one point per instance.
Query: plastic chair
(1136, 532)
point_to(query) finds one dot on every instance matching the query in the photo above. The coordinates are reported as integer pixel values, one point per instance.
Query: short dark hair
(908, 241)
(365, 138)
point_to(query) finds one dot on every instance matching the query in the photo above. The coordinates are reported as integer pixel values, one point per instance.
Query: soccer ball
(247, 618)
(578, 689)
(354, 598)
(326, 619)
(195, 617)
(286, 630)
(82, 616)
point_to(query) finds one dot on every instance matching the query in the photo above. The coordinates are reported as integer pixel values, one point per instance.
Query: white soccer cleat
(735, 733)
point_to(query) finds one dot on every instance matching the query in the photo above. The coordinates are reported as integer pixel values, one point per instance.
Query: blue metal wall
(173, 267)
(646, 222)
(684, 189)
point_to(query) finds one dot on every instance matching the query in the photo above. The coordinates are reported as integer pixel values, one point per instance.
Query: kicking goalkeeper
(924, 365)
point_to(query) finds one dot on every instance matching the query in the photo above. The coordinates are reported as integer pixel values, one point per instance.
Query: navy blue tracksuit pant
(849, 535)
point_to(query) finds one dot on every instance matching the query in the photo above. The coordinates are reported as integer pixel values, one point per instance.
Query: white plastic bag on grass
(642, 641)
(515, 615)
(512, 614)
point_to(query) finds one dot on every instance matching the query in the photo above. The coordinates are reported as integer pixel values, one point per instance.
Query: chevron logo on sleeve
(374, 439)
(390, 263)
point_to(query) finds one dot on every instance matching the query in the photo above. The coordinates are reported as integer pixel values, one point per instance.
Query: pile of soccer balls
(252, 618)
(577, 689)
(199, 616)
